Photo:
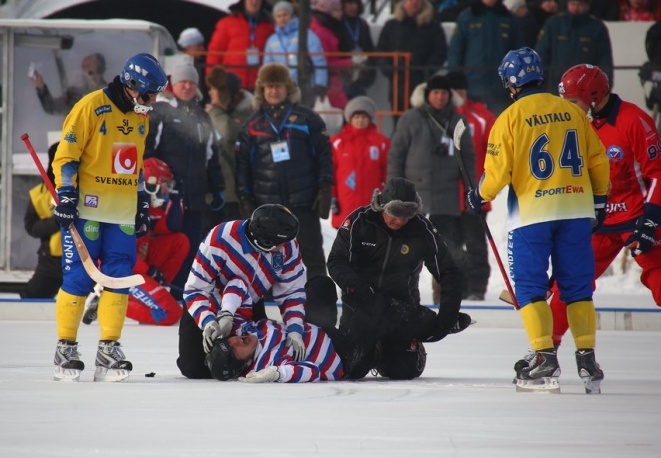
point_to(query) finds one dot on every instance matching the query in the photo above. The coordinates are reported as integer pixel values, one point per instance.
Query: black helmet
(272, 225)
(402, 360)
(222, 362)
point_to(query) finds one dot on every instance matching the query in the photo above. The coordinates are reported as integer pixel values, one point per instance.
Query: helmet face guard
(143, 74)
(159, 180)
(222, 362)
(586, 82)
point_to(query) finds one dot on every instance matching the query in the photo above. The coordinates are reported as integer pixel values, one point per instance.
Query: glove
(66, 211)
(599, 212)
(217, 201)
(142, 221)
(335, 207)
(463, 321)
(322, 203)
(270, 374)
(474, 201)
(247, 206)
(643, 237)
(156, 274)
(295, 340)
(216, 329)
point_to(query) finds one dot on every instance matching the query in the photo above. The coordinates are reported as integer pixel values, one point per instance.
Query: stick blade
(458, 132)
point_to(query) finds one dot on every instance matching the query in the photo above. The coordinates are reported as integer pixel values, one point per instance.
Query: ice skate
(111, 364)
(589, 371)
(541, 374)
(68, 365)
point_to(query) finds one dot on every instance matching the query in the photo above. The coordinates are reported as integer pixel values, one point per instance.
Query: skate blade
(591, 386)
(103, 374)
(66, 375)
(547, 385)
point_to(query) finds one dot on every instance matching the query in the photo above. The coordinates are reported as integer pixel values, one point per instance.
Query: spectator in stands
(538, 13)
(93, 67)
(411, 29)
(239, 38)
(191, 42)
(606, 10)
(637, 10)
(364, 72)
(573, 38)
(448, 10)
(483, 34)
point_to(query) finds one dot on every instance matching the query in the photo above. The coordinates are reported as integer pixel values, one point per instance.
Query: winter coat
(417, 155)
(285, 40)
(294, 182)
(359, 32)
(233, 36)
(324, 27)
(182, 136)
(360, 165)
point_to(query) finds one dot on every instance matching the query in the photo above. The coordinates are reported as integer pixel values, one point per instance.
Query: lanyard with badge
(292, 60)
(279, 149)
(252, 53)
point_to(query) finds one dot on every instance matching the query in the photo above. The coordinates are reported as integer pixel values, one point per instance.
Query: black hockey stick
(459, 130)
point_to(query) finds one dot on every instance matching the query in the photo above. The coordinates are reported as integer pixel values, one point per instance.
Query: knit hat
(457, 79)
(184, 72)
(399, 199)
(362, 104)
(283, 6)
(189, 37)
(437, 82)
(326, 6)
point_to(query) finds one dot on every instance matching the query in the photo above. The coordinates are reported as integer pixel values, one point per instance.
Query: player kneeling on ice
(259, 352)
(376, 260)
(160, 253)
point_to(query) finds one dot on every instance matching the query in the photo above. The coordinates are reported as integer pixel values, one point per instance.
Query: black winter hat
(437, 82)
(398, 199)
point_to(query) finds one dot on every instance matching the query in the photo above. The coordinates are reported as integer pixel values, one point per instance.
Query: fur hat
(184, 72)
(189, 37)
(398, 199)
(223, 81)
(274, 73)
(362, 104)
(326, 6)
(283, 5)
(437, 82)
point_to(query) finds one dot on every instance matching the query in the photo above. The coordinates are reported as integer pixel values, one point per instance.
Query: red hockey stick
(88, 263)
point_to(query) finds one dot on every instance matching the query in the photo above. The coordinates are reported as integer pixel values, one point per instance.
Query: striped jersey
(544, 148)
(230, 274)
(100, 155)
(321, 360)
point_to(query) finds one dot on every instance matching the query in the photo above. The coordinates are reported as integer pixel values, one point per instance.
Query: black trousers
(46, 280)
(311, 241)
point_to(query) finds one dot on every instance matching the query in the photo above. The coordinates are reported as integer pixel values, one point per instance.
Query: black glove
(599, 212)
(322, 203)
(642, 239)
(474, 201)
(142, 221)
(463, 321)
(217, 201)
(247, 206)
(335, 206)
(156, 274)
(66, 211)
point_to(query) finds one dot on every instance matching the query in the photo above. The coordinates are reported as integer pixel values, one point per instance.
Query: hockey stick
(459, 130)
(88, 263)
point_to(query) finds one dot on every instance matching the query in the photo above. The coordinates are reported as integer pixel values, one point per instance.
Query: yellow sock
(112, 311)
(68, 312)
(583, 323)
(538, 322)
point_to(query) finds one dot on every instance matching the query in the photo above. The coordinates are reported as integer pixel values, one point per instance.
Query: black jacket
(294, 182)
(366, 252)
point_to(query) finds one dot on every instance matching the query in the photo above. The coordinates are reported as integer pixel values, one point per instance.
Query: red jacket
(360, 164)
(233, 35)
(480, 121)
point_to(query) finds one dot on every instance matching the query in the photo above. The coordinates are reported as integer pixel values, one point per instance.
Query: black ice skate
(111, 364)
(541, 374)
(68, 365)
(589, 371)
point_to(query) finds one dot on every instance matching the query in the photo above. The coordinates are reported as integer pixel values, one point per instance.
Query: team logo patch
(91, 230)
(128, 229)
(278, 261)
(614, 153)
(405, 249)
(374, 153)
(91, 201)
(346, 223)
(125, 128)
(70, 137)
(141, 130)
(103, 109)
(124, 158)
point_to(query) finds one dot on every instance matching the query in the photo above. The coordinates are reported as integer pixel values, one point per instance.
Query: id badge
(292, 60)
(252, 56)
(280, 151)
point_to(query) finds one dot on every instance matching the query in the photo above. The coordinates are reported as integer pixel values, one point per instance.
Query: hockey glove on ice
(142, 222)
(295, 341)
(270, 374)
(474, 201)
(322, 203)
(642, 239)
(216, 329)
(599, 212)
(66, 211)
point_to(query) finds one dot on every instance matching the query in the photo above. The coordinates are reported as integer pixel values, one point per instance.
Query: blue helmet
(143, 73)
(521, 66)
